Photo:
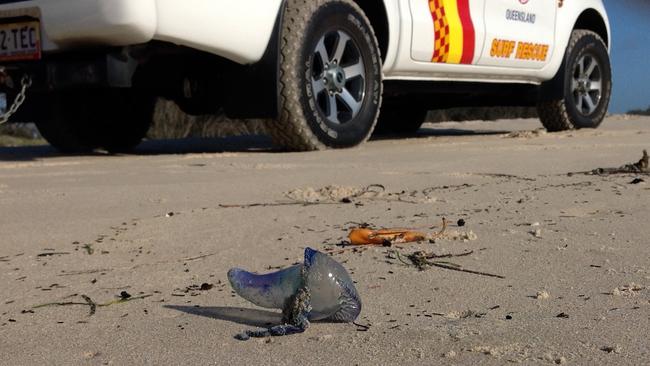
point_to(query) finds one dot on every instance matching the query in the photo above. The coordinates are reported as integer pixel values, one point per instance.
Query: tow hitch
(6, 82)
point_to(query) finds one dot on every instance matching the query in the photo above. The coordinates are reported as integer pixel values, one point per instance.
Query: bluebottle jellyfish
(318, 289)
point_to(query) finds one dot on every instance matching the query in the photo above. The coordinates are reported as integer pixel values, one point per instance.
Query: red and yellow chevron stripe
(455, 37)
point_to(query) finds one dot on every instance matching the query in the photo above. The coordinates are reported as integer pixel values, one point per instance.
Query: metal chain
(25, 83)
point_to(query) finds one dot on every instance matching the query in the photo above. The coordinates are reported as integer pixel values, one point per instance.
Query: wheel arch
(592, 20)
(267, 68)
(378, 16)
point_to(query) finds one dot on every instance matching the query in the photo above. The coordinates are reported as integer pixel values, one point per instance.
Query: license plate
(20, 41)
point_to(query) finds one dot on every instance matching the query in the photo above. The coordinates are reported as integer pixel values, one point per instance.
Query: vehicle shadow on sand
(249, 317)
(152, 147)
(427, 132)
(244, 144)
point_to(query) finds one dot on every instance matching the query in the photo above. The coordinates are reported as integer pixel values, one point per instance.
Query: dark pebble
(206, 287)
(242, 337)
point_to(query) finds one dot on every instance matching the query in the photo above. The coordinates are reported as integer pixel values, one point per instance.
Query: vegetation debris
(89, 249)
(422, 261)
(640, 167)
(612, 349)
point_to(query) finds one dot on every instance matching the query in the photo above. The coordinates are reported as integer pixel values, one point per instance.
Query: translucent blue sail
(325, 289)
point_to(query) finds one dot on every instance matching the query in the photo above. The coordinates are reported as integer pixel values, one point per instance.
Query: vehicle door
(519, 33)
(447, 31)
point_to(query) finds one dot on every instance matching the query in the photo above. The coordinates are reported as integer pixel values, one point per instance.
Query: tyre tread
(554, 114)
(290, 130)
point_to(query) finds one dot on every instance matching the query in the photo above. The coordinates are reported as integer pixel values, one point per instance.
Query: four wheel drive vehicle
(326, 71)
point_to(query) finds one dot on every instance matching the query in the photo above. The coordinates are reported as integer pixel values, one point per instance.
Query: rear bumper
(237, 30)
(70, 23)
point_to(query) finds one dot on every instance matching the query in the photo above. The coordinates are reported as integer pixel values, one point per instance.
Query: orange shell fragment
(365, 236)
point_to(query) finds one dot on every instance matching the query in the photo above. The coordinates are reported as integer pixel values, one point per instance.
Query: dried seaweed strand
(420, 260)
(68, 303)
(373, 192)
(435, 256)
(440, 265)
(91, 304)
(188, 259)
(366, 190)
(278, 204)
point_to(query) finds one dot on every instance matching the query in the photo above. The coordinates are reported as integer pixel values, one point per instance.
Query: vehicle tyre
(330, 79)
(586, 83)
(82, 121)
(400, 119)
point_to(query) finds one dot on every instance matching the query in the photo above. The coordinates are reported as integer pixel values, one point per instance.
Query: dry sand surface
(574, 249)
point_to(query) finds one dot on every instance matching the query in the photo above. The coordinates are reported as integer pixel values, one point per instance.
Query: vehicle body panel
(241, 31)
(409, 65)
(238, 30)
(528, 25)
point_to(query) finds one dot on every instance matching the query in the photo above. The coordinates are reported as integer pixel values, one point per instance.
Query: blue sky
(630, 22)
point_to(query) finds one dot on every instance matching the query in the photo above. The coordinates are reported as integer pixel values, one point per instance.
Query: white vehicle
(322, 69)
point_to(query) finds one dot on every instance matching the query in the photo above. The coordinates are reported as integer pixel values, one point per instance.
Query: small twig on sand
(508, 176)
(441, 232)
(197, 257)
(91, 304)
(361, 327)
(90, 271)
(122, 300)
(52, 254)
(355, 248)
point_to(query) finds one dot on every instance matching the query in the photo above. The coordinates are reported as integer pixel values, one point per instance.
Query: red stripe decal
(469, 34)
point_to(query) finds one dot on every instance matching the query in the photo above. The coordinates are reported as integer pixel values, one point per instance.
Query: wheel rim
(338, 75)
(587, 84)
